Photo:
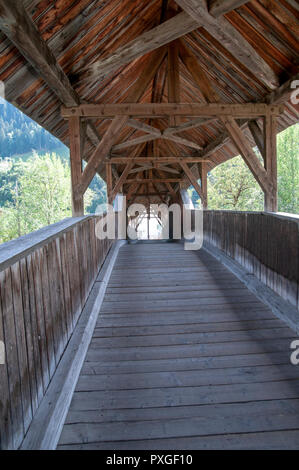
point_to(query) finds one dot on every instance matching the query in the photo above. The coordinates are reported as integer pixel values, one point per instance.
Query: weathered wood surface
(183, 356)
(267, 245)
(44, 284)
(45, 55)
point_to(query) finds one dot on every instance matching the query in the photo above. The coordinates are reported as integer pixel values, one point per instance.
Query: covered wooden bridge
(116, 345)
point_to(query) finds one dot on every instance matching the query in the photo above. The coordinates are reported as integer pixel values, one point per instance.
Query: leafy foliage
(37, 193)
(288, 170)
(232, 186)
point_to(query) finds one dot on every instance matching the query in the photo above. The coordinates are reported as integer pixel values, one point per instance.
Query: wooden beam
(244, 110)
(173, 78)
(76, 166)
(101, 151)
(202, 167)
(112, 134)
(109, 182)
(220, 7)
(188, 125)
(222, 30)
(168, 169)
(270, 146)
(122, 179)
(247, 153)
(20, 29)
(169, 160)
(143, 127)
(137, 141)
(192, 179)
(150, 167)
(230, 125)
(257, 135)
(162, 34)
(181, 140)
(153, 180)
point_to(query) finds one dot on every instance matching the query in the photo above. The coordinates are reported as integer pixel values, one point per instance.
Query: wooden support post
(76, 166)
(192, 179)
(173, 79)
(202, 167)
(109, 182)
(270, 129)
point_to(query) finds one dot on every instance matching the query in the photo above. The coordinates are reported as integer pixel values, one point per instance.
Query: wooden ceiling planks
(82, 32)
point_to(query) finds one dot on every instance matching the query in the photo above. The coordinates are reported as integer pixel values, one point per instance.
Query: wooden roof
(249, 54)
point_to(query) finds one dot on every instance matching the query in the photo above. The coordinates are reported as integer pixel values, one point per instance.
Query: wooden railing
(266, 244)
(45, 279)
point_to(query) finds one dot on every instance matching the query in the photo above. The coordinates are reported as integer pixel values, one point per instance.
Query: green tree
(40, 196)
(232, 186)
(288, 170)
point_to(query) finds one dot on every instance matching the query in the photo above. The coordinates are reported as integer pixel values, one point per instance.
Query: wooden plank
(75, 131)
(162, 34)
(109, 182)
(204, 184)
(222, 30)
(137, 141)
(257, 135)
(186, 426)
(111, 135)
(122, 179)
(270, 153)
(185, 395)
(192, 178)
(173, 77)
(181, 141)
(37, 350)
(35, 275)
(187, 126)
(245, 110)
(143, 127)
(6, 425)
(21, 344)
(247, 153)
(20, 29)
(12, 359)
(66, 284)
(154, 180)
(248, 441)
(29, 332)
(101, 152)
(220, 7)
(155, 160)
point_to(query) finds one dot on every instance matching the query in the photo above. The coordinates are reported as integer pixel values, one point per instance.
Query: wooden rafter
(222, 30)
(156, 160)
(20, 29)
(257, 135)
(158, 110)
(162, 34)
(153, 180)
(220, 7)
(173, 74)
(112, 133)
(192, 124)
(231, 126)
(192, 179)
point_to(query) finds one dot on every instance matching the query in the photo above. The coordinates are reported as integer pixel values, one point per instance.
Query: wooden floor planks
(183, 356)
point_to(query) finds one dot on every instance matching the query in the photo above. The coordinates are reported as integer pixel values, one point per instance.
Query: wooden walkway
(183, 357)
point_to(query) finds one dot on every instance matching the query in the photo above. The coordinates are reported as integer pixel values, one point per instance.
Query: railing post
(270, 157)
(76, 165)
